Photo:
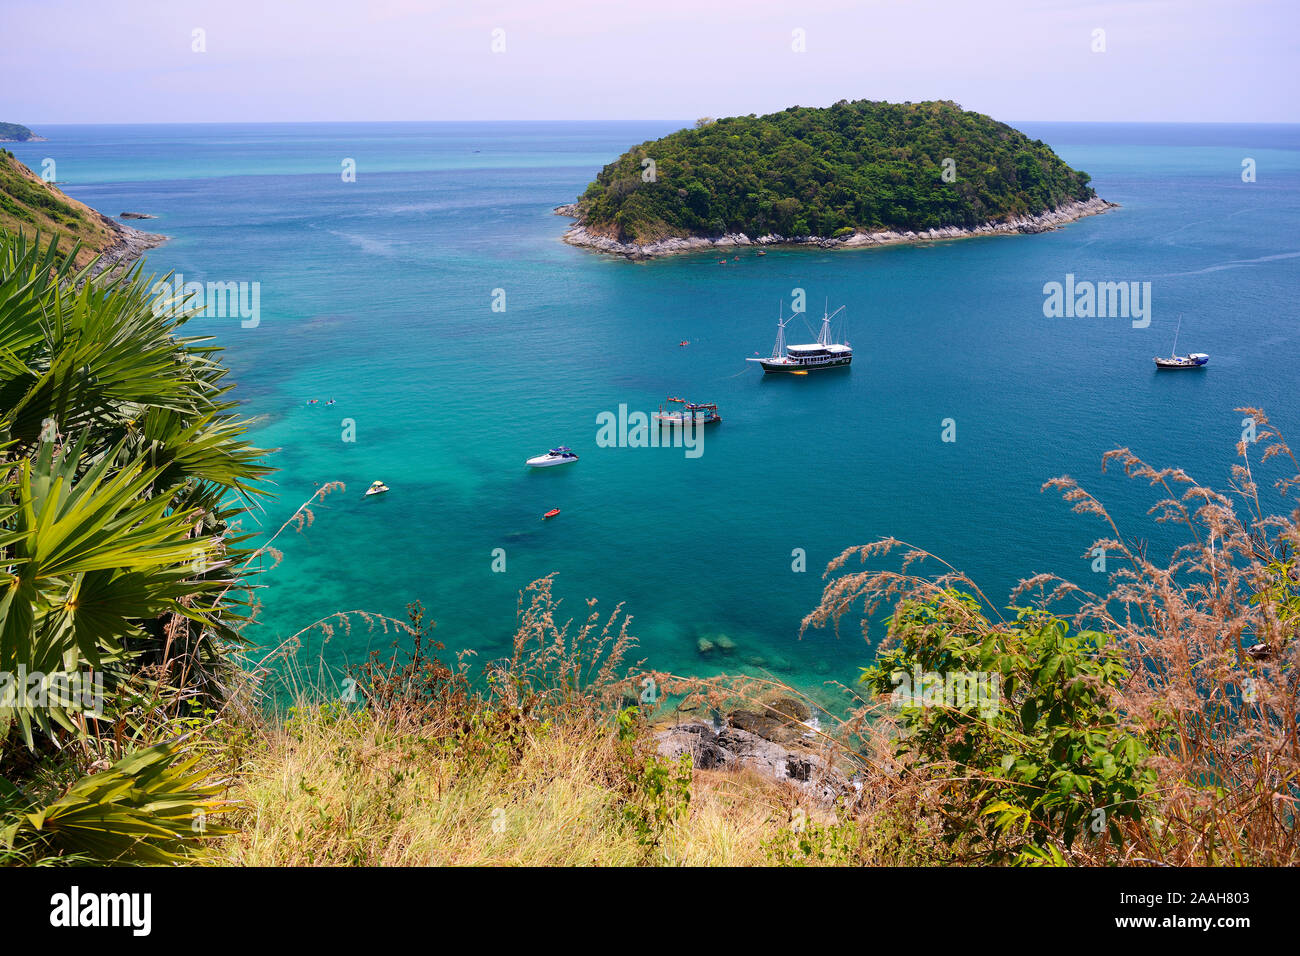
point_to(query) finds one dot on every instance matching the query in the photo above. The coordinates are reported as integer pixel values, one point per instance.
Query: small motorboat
(551, 514)
(376, 488)
(556, 456)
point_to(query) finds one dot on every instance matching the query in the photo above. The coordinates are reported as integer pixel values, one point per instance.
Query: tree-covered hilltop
(855, 166)
(13, 133)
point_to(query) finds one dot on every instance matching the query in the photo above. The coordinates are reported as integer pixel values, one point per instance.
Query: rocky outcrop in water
(127, 246)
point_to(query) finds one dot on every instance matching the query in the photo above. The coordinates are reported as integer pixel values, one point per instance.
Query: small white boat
(376, 488)
(556, 456)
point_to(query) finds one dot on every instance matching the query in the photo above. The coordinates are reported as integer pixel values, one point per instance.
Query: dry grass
(333, 788)
(522, 766)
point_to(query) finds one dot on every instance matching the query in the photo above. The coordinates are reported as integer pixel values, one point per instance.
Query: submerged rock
(715, 642)
(790, 709)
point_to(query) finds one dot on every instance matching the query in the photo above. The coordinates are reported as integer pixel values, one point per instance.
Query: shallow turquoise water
(378, 294)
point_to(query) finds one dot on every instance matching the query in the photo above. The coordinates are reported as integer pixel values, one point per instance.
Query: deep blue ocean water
(378, 293)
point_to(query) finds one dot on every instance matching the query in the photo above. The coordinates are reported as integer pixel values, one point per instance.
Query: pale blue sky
(122, 61)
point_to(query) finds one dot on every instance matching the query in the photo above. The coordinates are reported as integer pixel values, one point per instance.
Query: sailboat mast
(779, 349)
(1176, 331)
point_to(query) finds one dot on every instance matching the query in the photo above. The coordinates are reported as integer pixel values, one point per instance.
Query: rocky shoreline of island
(578, 235)
(127, 246)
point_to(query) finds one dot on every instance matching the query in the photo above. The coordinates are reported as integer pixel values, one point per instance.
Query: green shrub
(1048, 758)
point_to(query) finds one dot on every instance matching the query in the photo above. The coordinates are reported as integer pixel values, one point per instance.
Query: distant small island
(13, 133)
(853, 174)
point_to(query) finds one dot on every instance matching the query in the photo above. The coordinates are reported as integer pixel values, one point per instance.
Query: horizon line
(650, 119)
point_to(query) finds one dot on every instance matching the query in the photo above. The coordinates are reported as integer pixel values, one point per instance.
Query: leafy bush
(1047, 756)
(124, 466)
(146, 808)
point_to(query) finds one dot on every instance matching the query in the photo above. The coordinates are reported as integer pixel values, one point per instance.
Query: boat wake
(1232, 264)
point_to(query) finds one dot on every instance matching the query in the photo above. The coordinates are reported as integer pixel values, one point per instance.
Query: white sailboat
(1190, 360)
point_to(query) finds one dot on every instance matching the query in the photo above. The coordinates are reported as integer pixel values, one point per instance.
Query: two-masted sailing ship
(824, 353)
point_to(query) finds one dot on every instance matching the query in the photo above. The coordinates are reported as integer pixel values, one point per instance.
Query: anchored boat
(1190, 360)
(556, 456)
(824, 353)
(705, 413)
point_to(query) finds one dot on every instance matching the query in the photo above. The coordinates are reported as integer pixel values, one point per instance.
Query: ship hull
(774, 368)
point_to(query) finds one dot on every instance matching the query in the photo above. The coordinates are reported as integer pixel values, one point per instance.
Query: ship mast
(824, 339)
(779, 349)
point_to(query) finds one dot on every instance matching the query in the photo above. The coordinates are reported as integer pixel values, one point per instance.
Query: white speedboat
(556, 456)
(376, 488)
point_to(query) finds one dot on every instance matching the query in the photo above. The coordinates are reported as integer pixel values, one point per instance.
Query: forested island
(14, 133)
(854, 173)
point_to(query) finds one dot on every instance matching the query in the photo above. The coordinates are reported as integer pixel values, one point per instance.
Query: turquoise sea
(378, 294)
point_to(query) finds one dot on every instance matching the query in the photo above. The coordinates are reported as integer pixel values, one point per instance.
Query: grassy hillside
(29, 205)
(853, 166)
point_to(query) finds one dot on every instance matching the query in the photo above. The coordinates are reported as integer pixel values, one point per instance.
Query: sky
(138, 61)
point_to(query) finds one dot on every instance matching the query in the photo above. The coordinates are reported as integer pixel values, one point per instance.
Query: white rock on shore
(578, 235)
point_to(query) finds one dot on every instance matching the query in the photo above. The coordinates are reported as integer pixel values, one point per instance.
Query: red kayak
(551, 514)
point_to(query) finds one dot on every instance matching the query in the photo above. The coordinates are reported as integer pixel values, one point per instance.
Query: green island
(854, 173)
(14, 133)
